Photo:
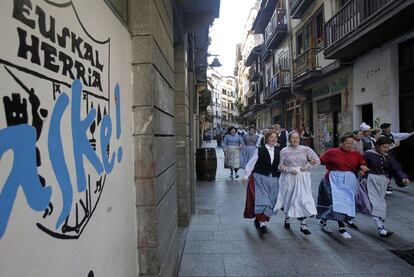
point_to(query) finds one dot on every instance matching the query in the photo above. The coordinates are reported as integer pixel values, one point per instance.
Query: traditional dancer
(262, 177)
(232, 144)
(372, 188)
(336, 196)
(295, 191)
(250, 141)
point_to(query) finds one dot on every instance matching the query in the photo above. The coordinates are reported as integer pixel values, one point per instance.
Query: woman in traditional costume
(295, 191)
(336, 196)
(232, 144)
(262, 177)
(373, 186)
(250, 140)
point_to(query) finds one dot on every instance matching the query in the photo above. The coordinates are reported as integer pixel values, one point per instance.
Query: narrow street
(220, 242)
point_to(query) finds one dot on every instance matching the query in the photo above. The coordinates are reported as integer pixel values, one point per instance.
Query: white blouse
(299, 156)
(252, 162)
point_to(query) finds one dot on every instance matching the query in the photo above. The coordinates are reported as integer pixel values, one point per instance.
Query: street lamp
(216, 62)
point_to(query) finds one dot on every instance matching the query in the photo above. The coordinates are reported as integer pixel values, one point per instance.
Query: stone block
(148, 261)
(144, 161)
(165, 242)
(183, 161)
(163, 94)
(183, 183)
(164, 152)
(165, 212)
(142, 49)
(182, 114)
(163, 123)
(180, 81)
(181, 98)
(182, 145)
(142, 94)
(163, 183)
(139, 17)
(145, 191)
(147, 226)
(182, 129)
(170, 267)
(162, 33)
(143, 120)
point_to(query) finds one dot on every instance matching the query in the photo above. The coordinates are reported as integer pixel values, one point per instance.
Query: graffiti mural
(60, 122)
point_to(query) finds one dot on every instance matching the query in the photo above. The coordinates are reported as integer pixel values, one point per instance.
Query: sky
(227, 31)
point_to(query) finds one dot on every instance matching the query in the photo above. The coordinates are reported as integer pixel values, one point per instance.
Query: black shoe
(304, 229)
(351, 224)
(287, 225)
(263, 229)
(386, 235)
(389, 190)
(256, 224)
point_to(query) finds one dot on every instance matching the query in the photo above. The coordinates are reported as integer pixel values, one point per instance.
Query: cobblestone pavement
(220, 242)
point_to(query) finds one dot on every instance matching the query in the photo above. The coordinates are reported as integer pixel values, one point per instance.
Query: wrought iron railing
(353, 14)
(306, 61)
(278, 20)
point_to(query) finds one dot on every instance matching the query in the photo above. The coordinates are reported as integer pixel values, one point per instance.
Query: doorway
(406, 64)
(367, 114)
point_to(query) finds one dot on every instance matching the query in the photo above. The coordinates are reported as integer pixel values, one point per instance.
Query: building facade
(338, 69)
(100, 110)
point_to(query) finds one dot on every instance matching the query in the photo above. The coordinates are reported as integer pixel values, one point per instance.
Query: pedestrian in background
(375, 134)
(232, 144)
(295, 190)
(250, 140)
(262, 176)
(306, 137)
(336, 195)
(357, 145)
(366, 137)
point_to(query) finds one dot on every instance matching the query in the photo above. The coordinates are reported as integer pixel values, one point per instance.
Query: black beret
(385, 125)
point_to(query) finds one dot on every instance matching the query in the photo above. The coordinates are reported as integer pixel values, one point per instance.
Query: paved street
(220, 242)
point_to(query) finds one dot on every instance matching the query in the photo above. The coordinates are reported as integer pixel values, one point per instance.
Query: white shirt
(252, 162)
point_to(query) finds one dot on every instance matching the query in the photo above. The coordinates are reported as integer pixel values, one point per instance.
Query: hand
(364, 169)
(303, 168)
(405, 181)
(312, 162)
(245, 181)
(295, 172)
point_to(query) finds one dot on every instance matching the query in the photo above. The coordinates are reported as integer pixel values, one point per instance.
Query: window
(283, 61)
(319, 28)
(311, 35)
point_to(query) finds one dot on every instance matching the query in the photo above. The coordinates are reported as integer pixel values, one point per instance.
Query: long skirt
(232, 157)
(295, 195)
(246, 154)
(261, 196)
(336, 196)
(371, 195)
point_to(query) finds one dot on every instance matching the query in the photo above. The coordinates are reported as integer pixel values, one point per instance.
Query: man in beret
(393, 137)
(395, 141)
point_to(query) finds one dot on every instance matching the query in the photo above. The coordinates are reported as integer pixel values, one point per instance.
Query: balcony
(362, 25)
(306, 66)
(276, 29)
(253, 74)
(298, 7)
(278, 86)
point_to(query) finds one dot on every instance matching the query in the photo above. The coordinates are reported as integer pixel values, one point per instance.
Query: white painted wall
(35, 243)
(375, 78)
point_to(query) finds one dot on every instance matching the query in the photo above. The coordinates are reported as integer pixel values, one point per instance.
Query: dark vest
(263, 165)
(389, 136)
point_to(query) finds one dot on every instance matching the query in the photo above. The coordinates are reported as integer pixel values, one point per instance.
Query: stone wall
(151, 26)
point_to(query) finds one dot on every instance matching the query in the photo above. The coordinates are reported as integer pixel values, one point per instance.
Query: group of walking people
(278, 179)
